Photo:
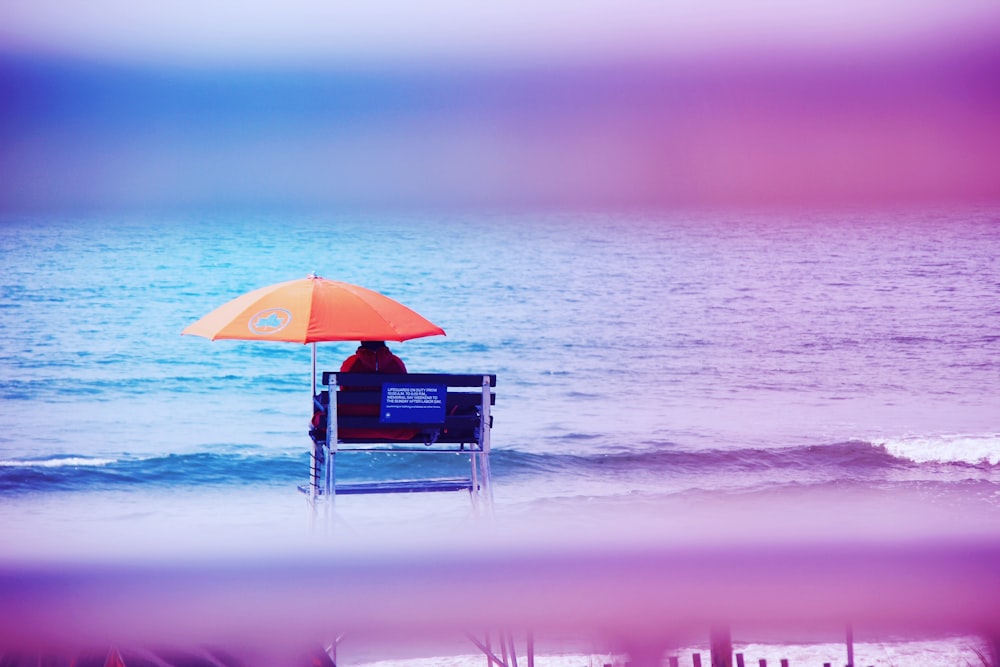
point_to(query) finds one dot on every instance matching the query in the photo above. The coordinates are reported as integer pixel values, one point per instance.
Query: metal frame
(323, 488)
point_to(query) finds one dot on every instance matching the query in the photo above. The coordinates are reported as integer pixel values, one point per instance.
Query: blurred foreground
(633, 582)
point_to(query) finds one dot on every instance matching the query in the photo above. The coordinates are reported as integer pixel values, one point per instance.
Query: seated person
(373, 356)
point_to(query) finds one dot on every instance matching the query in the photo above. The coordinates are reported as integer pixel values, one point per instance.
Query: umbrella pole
(316, 448)
(313, 372)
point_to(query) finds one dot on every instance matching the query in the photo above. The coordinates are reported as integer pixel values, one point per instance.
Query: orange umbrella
(312, 310)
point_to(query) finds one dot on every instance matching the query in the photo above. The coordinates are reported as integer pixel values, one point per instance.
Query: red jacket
(372, 361)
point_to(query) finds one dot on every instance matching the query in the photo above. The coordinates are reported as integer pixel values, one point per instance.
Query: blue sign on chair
(410, 404)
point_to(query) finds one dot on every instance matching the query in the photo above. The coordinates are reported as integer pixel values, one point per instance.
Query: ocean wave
(57, 462)
(954, 448)
(71, 472)
(849, 455)
(855, 459)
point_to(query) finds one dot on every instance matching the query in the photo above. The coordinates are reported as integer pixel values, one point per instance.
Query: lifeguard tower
(417, 414)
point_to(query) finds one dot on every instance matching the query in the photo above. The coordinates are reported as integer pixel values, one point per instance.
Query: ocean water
(802, 373)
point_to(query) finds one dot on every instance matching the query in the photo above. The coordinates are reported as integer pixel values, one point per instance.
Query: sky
(110, 103)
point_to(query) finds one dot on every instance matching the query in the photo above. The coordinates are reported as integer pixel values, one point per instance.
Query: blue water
(651, 357)
(808, 373)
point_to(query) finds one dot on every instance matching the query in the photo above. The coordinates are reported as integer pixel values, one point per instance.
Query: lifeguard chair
(418, 414)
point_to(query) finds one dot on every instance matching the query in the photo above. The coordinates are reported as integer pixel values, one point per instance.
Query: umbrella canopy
(312, 310)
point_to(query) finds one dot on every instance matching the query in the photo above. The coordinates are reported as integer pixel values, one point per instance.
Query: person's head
(373, 345)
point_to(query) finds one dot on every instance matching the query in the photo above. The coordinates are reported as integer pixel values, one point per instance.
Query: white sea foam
(74, 461)
(948, 448)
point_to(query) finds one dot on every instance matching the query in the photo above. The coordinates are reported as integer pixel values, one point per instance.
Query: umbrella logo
(269, 321)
